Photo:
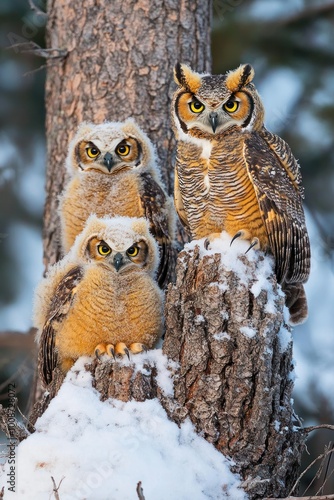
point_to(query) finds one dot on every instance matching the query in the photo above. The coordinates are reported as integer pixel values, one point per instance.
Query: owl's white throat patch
(206, 149)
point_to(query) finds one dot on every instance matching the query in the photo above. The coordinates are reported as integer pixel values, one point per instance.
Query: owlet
(101, 297)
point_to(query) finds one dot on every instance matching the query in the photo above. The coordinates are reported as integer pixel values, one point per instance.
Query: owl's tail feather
(295, 300)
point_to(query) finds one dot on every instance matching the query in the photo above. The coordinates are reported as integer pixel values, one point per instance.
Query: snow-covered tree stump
(224, 328)
(122, 380)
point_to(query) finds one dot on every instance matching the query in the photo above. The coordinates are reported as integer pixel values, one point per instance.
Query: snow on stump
(122, 379)
(224, 328)
(85, 448)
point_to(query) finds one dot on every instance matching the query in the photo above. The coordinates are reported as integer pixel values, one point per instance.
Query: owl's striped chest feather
(216, 190)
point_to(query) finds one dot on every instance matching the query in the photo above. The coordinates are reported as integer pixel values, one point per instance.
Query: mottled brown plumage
(113, 171)
(101, 298)
(232, 174)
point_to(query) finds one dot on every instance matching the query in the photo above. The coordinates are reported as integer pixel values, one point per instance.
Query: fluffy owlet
(232, 174)
(101, 297)
(113, 171)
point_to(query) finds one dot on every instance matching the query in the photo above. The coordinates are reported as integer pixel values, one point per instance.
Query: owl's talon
(111, 351)
(210, 238)
(254, 243)
(99, 350)
(245, 235)
(137, 347)
(122, 349)
(237, 235)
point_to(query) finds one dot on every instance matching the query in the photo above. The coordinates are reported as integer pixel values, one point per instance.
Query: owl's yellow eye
(103, 249)
(132, 251)
(196, 106)
(231, 106)
(123, 149)
(92, 152)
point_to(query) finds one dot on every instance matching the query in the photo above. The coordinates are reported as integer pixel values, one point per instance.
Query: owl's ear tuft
(187, 78)
(140, 226)
(240, 77)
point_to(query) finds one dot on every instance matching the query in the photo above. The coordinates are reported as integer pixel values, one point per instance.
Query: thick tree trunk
(119, 63)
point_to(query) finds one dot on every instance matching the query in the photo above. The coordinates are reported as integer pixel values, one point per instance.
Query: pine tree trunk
(119, 63)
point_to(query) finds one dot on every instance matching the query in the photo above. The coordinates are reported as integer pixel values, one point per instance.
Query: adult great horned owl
(101, 297)
(113, 171)
(232, 174)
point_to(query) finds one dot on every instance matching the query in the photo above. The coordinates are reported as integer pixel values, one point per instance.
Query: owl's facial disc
(88, 156)
(135, 257)
(108, 158)
(213, 116)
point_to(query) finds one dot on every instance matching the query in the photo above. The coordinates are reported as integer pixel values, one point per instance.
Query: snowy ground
(101, 450)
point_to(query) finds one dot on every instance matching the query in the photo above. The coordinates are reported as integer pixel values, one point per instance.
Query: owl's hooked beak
(118, 261)
(213, 117)
(108, 161)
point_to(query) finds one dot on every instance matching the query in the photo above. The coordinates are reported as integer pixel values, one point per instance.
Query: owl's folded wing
(155, 204)
(280, 201)
(60, 305)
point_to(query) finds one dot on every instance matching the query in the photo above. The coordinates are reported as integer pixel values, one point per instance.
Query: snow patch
(234, 258)
(222, 336)
(248, 332)
(285, 338)
(103, 449)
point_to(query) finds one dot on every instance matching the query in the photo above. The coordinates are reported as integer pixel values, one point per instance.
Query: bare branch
(33, 71)
(326, 475)
(306, 14)
(56, 488)
(140, 491)
(16, 430)
(13, 377)
(312, 428)
(35, 49)
(320, 457)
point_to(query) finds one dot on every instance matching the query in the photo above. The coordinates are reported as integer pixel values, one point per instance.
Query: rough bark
(235, 389)
(119, 63)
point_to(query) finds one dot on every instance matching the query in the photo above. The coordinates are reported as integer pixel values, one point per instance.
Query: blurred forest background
(291, 47)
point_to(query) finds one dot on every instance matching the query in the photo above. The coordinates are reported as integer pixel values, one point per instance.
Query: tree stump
(234, 378)
(123, 380)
